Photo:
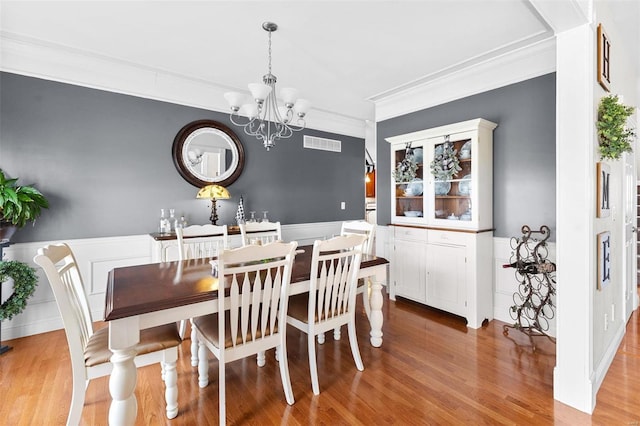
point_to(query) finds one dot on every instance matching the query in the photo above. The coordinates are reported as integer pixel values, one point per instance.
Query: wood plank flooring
(431, 369)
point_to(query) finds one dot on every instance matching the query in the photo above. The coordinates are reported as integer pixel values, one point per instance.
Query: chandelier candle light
(214, 193)
(266, 120)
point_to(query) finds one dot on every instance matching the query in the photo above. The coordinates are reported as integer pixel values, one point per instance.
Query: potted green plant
(613, 135)
(18, 205)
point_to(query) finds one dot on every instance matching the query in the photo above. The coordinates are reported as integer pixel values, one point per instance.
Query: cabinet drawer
(413, 234)
(448, 237)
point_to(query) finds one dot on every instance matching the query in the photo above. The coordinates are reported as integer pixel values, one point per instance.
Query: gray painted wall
(524, 144)
(104, 161)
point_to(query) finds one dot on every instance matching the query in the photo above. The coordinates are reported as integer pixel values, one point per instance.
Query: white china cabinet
(442, 214)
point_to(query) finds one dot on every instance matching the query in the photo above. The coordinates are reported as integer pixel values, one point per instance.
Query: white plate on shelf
(464, 186)
(414, 188)
(465, 151)
(418, 155)
(441, 187)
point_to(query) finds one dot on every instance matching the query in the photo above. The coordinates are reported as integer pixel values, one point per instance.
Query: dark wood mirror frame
(186, 172)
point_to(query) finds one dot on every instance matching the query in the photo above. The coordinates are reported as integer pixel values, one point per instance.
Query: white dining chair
(254, 305)
(197, 242)
(360, 227)
(260, 232)
(89, 348)
(331, 300)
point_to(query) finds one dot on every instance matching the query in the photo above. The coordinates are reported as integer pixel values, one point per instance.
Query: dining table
(149, 295)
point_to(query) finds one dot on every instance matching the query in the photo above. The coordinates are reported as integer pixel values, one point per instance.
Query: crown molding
(511, 67)
(49, 61)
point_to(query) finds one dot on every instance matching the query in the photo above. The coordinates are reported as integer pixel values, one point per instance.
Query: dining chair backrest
(258, 279)
(334, 276)
(361, 227)
(260, 232)
(61, 269)
(198, 241)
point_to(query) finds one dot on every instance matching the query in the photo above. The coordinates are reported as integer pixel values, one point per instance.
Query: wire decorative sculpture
(534, 300)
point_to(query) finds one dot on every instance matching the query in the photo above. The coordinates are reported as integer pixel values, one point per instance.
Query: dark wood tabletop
(136, 290)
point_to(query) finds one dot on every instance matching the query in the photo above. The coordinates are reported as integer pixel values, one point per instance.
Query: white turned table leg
(376, 318)
(122, 383)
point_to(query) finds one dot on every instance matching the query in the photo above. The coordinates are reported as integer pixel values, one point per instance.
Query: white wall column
(575, 201)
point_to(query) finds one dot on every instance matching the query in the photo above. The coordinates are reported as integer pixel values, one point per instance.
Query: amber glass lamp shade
(213, 193)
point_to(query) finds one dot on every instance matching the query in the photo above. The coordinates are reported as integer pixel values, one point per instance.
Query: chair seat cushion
(207, 325)
(299, 308)
(151, 340)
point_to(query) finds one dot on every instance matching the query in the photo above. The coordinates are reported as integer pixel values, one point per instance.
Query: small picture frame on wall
(604, 59)
(603, 172)
(604, 259)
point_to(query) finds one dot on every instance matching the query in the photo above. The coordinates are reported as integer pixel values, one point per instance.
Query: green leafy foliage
(613, 135)
(19, 204)
(24, 284)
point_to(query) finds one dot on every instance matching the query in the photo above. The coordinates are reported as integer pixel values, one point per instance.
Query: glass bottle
(252, 218)
(264, 216)
(165, 226)
(182, 222)
(173, 220)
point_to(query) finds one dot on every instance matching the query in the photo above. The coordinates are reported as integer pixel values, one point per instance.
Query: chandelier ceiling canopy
(263, 117)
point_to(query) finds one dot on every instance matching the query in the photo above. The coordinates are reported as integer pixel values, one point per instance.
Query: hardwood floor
(430, 370)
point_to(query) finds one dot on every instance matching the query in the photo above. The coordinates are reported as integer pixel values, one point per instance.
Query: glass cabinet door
(408, 176)
(453, 182)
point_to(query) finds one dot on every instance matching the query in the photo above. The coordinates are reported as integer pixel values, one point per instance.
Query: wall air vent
(323, 144)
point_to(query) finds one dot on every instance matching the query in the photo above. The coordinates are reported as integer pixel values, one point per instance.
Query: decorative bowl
(413, 213)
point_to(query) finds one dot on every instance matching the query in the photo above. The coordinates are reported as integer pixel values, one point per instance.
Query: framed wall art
(604, 259)
(603, 172)
(604, 59)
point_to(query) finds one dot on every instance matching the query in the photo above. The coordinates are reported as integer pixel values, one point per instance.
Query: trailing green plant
(24, 284)
(406, 170)
(613, 135)
(19, 204)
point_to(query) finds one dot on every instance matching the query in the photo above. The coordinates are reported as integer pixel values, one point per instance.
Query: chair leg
(222, 393)
(77, 400)
(321, 338)
(284, 373)
(353, 341)
(336, 333)
(313, 366)
(194, 345)
(170, 356)
(203, 365)
(260, 359)
(183, 328)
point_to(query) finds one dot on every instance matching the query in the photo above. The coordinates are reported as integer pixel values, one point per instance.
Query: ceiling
(341, 55)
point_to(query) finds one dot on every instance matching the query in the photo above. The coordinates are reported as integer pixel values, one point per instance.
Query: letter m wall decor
(604, 173)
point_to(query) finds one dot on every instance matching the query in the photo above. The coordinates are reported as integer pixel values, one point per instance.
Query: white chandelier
(264, 118)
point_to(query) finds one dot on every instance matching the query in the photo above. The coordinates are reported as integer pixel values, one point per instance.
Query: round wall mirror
(206, 152)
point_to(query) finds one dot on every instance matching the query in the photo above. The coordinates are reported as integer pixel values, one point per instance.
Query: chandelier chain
(269, 52)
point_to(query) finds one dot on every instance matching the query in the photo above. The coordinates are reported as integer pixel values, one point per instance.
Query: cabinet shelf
(409, 197)
(449, 197)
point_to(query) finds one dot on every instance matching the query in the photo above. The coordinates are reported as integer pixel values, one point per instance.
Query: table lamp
(213, 193)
